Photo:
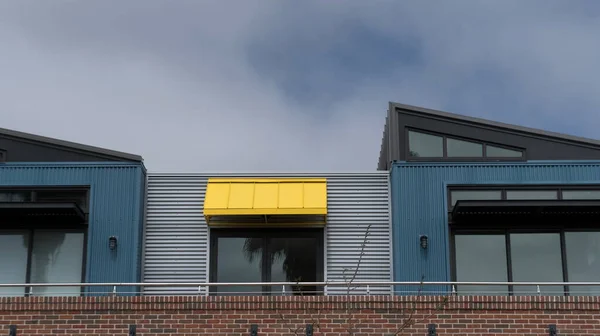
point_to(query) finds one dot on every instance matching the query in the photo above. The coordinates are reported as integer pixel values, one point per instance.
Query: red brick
(331, 316)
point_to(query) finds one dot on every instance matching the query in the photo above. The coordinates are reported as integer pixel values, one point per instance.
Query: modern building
(267, 228)
(69, 213)
(455, 198)
(476, 200)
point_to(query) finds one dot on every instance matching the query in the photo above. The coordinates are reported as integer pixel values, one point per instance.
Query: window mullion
(266, 264)
(29, 262)
(508, 262)
(563, 253)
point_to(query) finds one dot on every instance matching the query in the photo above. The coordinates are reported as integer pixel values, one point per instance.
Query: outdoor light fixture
(552, 330)
(112, 243)
(12, 330)
(254, 330)
(431, 330)
(424, 241)
(132, 330)
(309, 330)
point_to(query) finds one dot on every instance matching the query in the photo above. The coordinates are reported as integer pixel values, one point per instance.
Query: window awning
(30, 211)
(285, 198)
(465, 210)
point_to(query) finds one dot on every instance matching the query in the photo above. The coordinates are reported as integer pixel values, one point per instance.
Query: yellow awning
(230, 197)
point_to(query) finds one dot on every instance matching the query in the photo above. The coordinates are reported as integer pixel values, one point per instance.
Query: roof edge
(532, 163)
(496, 124)
(269, 174)
(71, 145)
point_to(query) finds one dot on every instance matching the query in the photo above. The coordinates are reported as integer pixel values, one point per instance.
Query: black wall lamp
(112, 243)
(254, 330)
(132, 330)
(424, 241)
(12, 330)
(309, 330)
(552, 331)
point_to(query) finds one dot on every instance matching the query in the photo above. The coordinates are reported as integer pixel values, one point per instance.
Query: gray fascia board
(497, 125)
(70, 145)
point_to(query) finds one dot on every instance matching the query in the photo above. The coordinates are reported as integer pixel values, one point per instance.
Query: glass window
(583, 261)
(481, 258)
(56, 257)
(581, 194)
(493, 151)
(15, 196)
(536, 257)
(13, 262)
(460, 148)
(425, 145)
(239, 260)
(473, 195)
(270, 256)
(531, 194)
(294, 259)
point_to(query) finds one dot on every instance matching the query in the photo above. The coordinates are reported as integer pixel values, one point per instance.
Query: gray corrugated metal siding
(176, 234)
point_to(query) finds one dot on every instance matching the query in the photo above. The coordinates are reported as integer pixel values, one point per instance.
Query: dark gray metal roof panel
(495, 124)
(71, 145)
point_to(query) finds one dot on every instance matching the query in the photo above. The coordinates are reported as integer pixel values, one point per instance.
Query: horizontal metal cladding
(419, 205)
(176, 238)
(116, 202)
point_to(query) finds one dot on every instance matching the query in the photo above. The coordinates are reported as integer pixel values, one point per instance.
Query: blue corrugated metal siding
(116, 209)
(419, 205)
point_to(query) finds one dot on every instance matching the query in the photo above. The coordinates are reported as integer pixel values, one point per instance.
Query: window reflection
(239, 260)
(583, 261)
(13, 262)
(460, 148)
(536, 257)
(56, 257)
(269, 256)
(14, 196)
(425, 145)
(481, 258)
(294, 260)
(473, 195)
(581, 194)
(531, 194)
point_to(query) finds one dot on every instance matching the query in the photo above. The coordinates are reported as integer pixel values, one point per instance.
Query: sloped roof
(495, 124)
(71, 145)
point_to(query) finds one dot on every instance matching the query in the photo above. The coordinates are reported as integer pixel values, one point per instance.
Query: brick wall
(331, 315)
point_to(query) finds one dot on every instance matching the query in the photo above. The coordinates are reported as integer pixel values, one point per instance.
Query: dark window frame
(518, 187)
(266, 233)
(507, 230)
(30, 237)
(445, 157)
(3, 154)
(66, 228)
(33, 190)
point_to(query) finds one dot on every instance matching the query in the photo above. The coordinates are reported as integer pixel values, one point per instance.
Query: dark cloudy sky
(197, 85)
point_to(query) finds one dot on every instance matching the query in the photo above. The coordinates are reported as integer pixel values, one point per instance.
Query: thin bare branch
(409, 320)
(350, 324)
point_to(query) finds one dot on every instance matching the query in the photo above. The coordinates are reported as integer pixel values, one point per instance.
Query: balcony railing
(297, 288)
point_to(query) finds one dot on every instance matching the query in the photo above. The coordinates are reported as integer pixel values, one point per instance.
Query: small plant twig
(350, 325)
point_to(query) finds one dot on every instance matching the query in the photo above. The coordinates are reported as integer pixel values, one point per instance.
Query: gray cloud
(214, 86)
